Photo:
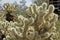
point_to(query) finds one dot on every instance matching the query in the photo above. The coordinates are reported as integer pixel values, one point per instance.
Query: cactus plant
(39, 2)
(38, 25)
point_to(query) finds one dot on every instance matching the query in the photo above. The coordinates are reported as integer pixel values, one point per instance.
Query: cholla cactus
(30, 33)
(38, 25)
(9, 8)
(39, 2)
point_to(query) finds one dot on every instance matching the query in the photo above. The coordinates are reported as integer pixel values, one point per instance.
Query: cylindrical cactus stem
(29, 11)
(40, 16)
(30, 33)
(44, 5)
(34, 6)
(49, 13)
(52, 27)
(55, 18)
(51, 9)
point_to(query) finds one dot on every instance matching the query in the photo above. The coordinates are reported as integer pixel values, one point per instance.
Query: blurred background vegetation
(58, 27)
